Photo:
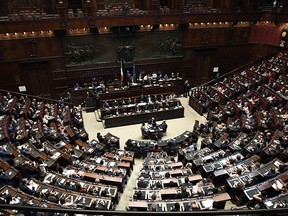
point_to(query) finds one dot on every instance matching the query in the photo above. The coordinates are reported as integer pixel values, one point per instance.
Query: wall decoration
(94, 49)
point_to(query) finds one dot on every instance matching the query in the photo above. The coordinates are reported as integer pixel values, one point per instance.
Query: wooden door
(37, 78)
(203, 72)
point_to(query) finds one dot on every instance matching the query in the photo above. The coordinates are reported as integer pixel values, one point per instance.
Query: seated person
(4, 179)
(141, 183)
(156, 148)
(271, 174)
(101, 138)
(23, 186)
(257, 200)
(152, 122)
(279, 185)
(238, 159)
(163, 126)
(157, 185)
(5, 198)
(138, 195)
(176, 207)
(183, 193)
(115, 104)
(144, 130)
(105, 105)
(186, 182)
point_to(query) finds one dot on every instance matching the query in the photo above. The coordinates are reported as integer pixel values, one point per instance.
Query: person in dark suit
(184, 193)
(4, 180)
(186, 182)
(238, 159)
(5, 198)
(24, 188)
(28, 171)
(101, 138)
(141, 183)
(271, 174)
(138, 195)
(115, 104)
(176, 207)
(163, 126)
(152, 122)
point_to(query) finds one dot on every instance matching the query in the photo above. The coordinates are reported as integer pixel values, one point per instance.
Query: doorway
(36, 76)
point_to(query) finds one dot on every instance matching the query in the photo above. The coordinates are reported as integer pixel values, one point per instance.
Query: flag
(121, 72)
(134, 71)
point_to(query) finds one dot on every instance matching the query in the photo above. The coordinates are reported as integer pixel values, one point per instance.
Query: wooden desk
(84, 184)
(136, 118)
(174, 86)
(161, 143)
(9, 171)
(166, 205)
(278, 201)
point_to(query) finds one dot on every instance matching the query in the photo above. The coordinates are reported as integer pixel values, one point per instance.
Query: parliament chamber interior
(136, 107)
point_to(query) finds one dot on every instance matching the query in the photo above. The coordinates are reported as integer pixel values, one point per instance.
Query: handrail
(237, 69)
(33, 96)
(97, 212)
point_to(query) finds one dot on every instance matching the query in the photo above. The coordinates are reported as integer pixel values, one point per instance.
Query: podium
(89, 104)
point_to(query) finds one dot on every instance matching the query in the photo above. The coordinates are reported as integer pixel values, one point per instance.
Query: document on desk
(67, 172)
(62, 181)
(277, 163)
(56, 155)
(206, 204)
(14, 201)
(277, 185)
(112, 164)
(98, 160)
(32, 185)
(48, 178)
(194, 189)
(44, 190)
(269, 203)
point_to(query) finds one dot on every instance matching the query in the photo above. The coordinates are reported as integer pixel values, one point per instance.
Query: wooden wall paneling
(36, 74)
(13, 49)
(206, 36)
(59, 81)
(100, 5)
(192, 37)
(230, 57)
(48, 6)
(140, 4)
(77, 24)
(237, 34)
(230, 35)
(1, 53)
(31, 47)
(260, 50)
(49, 46)
(57, 63)
(122, 21)
(26, 26)
(244, 36)
(167, 19)
(203, 64)
(217, 36)
(10, 76)
(3, 8)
